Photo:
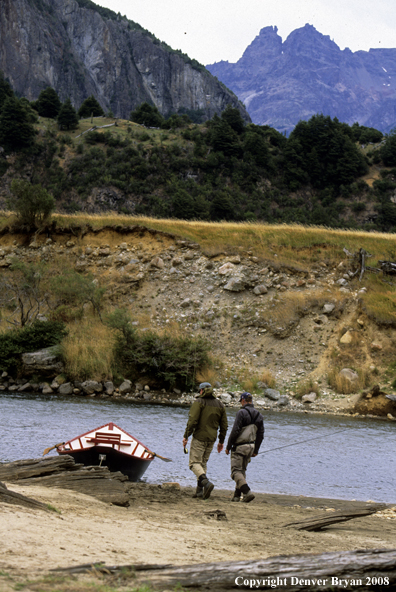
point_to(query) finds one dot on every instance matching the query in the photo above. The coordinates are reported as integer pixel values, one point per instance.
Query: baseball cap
(244, 396)
(204, 385)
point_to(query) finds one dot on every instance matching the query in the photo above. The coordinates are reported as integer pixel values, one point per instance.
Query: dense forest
(181, 166)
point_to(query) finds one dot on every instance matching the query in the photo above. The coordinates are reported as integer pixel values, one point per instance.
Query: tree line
(220, 169)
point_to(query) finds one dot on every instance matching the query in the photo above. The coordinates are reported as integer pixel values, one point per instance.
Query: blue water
(357, 464)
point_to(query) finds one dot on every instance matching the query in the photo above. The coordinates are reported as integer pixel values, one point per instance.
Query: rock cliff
(81, 49)
(283, 82)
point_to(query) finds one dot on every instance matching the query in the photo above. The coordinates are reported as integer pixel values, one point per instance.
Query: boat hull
(133, 468)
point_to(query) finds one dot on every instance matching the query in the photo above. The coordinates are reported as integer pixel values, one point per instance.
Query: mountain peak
(267, 44)
(307, 37)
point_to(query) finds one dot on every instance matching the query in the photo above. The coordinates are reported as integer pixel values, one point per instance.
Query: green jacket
(206, 415)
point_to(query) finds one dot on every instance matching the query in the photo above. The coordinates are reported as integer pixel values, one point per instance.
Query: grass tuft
(87, 351)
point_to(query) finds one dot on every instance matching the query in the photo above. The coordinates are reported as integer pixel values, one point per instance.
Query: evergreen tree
(256, 147)
(16, 132)
(90, 107)
(147, 115)
(327, 155)
(234, 119)
(5, 90)
(31, 112)
(224, 138)
(67, 116)
(48, 103)
(388, 150)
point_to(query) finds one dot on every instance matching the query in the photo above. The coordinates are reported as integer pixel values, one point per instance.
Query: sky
(214, 30)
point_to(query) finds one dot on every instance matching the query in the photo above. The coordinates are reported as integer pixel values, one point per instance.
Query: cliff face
(80, 52)
(283, 82)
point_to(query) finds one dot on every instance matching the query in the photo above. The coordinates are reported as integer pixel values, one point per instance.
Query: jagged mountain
(80, 49)
(283, 82)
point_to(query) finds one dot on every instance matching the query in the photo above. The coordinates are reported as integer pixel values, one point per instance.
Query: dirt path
(165, 525)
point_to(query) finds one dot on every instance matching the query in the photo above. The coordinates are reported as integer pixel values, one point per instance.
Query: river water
(357, 464)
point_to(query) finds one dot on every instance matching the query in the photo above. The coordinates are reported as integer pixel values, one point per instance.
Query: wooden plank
(11, 497)
(62, 471)
(322, 521)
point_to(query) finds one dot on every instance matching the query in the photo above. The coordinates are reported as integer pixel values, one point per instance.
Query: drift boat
(110, 446)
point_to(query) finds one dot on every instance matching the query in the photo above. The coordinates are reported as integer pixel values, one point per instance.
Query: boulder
(226, 269)
(125, 387)
(66, 389)
(283, 400)
(328, 308)
(109, 387)
(309, 398)
(261, 289)
(157, 262)
(225, 398)
(349, 375)
(47, 390)
(347, 338)
(90, 387)
(272, 394)
(235, 284)
(44, 361)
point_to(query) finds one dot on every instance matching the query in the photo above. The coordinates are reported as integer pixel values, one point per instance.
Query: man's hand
(227, 452)
(220, 447)
(253, 455)
(185, 440)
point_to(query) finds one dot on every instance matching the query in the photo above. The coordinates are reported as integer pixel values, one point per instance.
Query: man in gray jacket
(244, 442)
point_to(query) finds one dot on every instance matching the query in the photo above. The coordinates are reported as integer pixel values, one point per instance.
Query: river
(356, 464)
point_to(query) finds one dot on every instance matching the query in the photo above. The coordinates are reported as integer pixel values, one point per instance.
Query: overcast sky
(214, 30)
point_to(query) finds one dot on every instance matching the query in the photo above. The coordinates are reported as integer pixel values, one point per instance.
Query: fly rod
(302, 442)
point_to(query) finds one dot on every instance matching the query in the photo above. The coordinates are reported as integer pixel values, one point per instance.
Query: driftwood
(63, 472)
(388, 267)
(357, 570)
(11, 497)
(320, 522)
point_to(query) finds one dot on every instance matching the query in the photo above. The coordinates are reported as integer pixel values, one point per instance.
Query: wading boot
(206, 485)
(248, 496)
(237, 496)
(198, 492)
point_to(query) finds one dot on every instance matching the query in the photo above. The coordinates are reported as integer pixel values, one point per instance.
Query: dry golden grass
(287, 244)
(344, 386)
(249, 381)
(207, 374)
(87, 351)
(291, 305)
(306, 386)
(380, 302)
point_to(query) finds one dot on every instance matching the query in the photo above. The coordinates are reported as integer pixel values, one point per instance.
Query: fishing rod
(302, 442)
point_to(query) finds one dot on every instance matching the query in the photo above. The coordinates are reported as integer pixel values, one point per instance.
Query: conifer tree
(90, 107)
(16, 131)
(67, 116)
(48, 103)
(5, 90)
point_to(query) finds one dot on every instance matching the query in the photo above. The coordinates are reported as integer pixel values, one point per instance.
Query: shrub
(36, 336)
(32, 204)
(166, 359)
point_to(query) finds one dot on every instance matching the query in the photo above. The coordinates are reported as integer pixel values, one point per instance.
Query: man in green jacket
(207, 414)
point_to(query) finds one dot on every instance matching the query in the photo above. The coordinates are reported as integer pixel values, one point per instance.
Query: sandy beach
(164, 524)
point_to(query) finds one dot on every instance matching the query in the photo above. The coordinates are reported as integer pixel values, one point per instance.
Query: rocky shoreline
(138, 393)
